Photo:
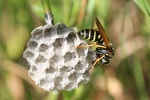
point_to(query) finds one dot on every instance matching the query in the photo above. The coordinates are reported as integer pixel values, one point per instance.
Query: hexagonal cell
(55, 59)
(35, 73)
(73, 77)
(33, 68)
(32, 44)
(57, 82)
(37, 33)
(43, 47)
(72, 36)
(81, 51)
(61, 29)
(68, 56)
(91, 56)
(79, 67)
(28, 54)
(40, 59)
(64, 69)
(69, 87)
(69, 40)
(46, 84)
(58, 43)
(86, 74)
(48, 32)
(43, 82)
(58, 87)
(50, 70)
(58, 79)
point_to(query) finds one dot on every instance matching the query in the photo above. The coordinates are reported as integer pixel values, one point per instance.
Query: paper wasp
(104, 49)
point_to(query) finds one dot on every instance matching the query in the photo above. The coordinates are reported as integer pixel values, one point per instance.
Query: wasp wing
(103, 33)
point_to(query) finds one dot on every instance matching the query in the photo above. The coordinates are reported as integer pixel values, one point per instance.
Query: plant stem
(49, 19)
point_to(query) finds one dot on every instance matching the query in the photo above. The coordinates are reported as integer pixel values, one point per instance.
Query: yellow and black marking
(91, 34)
(104, 49)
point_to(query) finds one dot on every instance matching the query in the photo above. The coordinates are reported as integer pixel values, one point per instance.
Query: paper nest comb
(55, 61)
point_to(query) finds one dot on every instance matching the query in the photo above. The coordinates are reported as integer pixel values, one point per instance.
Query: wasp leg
(92, 45)
(98, 59)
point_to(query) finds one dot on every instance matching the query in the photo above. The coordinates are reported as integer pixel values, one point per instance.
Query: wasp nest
(55, 61)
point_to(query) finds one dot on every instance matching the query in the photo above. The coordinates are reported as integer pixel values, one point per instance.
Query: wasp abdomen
(90, 34)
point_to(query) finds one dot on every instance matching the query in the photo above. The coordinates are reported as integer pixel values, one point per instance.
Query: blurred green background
(127, 23)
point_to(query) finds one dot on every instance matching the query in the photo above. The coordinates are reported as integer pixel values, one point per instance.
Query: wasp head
(107, 54)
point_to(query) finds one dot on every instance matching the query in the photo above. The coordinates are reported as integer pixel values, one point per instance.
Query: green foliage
(144, 6)
(139, 78)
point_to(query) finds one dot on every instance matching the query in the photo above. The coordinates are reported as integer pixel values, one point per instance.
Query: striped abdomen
(91, 34)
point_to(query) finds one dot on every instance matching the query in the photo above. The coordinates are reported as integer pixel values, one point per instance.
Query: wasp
(104, 49)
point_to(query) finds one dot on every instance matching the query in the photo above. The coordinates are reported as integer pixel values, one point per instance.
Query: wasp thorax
(55, 62)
